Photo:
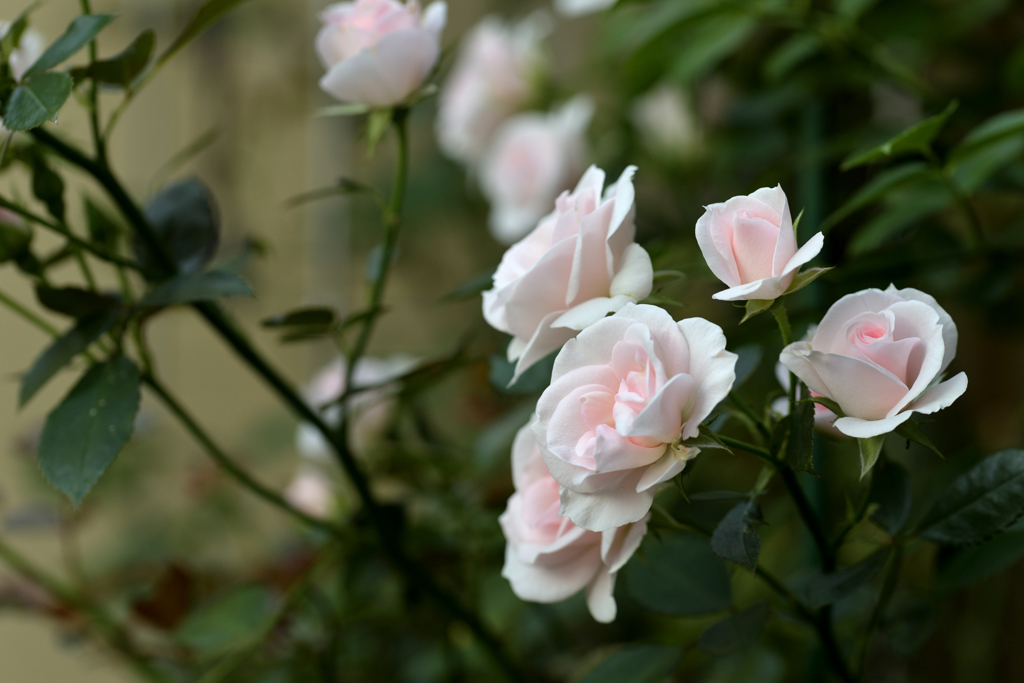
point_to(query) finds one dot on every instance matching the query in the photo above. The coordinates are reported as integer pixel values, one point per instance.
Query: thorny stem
(222, 323)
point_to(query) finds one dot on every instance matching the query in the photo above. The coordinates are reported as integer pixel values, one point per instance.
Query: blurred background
(710, 99)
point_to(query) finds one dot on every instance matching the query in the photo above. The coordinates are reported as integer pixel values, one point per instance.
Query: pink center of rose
(871, 339)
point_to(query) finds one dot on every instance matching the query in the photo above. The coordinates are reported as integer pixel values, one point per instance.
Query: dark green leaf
(902, 211)
(869, 449)
(185, 219)
(976, 169)
(102, 229)
(976, 563)
(910, 628)
(705, 439)
(15, 239)
(12, 36)
(912, 431)
(48, 187)
(805, 278)
(37, 100)
(62, 351)
(347, 109)
(206, 14)
(800, 444)
(78, 34)
(535, 380)
(881, 185)
(472, 288)
(890, 492)
(304, 317)
(719, 495)
(798, 49)
(124, 68)
(636, 664)
(233, 622)
(756, 307)
(980, 503)
(344, 187)
(191, 287)
(996, 129)
(829, 588)
(824, 401)
(75, 302)
(736, 632)
(917, 138)
(681, 576)
(84, 434)
(712, 39)
(736, 539)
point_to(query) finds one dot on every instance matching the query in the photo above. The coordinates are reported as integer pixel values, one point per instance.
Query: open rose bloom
(880, 356)
(494, 77)
(379, 52)
(547, 557)
(576, 267)
(533, 157)
(621, 395)
(750, 245)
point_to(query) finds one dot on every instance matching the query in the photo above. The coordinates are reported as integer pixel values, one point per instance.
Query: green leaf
(980, 503)
(824, 401)
(14, 240)
(472, 288)
(37, 100)
(974, 170)
(736, 632)
(889, 180)
(800, 443)
(184, 216)
(917, 138)
(124, 68)
(316, 316)
(191, 287)
(206, 14)
(705, 439)
(890, 493)
(102, 229)
(805, 278)
(756, 307)
(912, 431)
(996, 129)
(48, 187)
(12, 36)
(711, 40)
(84, 434)
(905, 210)
(681, 576)
(638, 663)
(735, 538)
(232, 622)
(344, 187)
(75, 302)
(798, 49)
(61, 352)
(870, 449)
(78, 34)
(830, 588)
(969, 565)
(347, 109)
(376, 126)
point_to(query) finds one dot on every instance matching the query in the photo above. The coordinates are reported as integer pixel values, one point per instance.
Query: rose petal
(941, 395)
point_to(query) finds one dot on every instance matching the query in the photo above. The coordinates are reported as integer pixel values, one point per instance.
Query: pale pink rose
(576, 8)
(577, 266)
(666, 122)
(532, 159)
(497, 71)
(622, 395)
(750, 245)
(880, 356)
(371, 410)
(547, 557)
(823, 417)
(379, 52)
(311, 492)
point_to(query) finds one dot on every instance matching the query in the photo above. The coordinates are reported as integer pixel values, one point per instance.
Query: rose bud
(622, 394)
(547, 557)
(378, 52)
(880, 356)
(577, 266)
(750, 245)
